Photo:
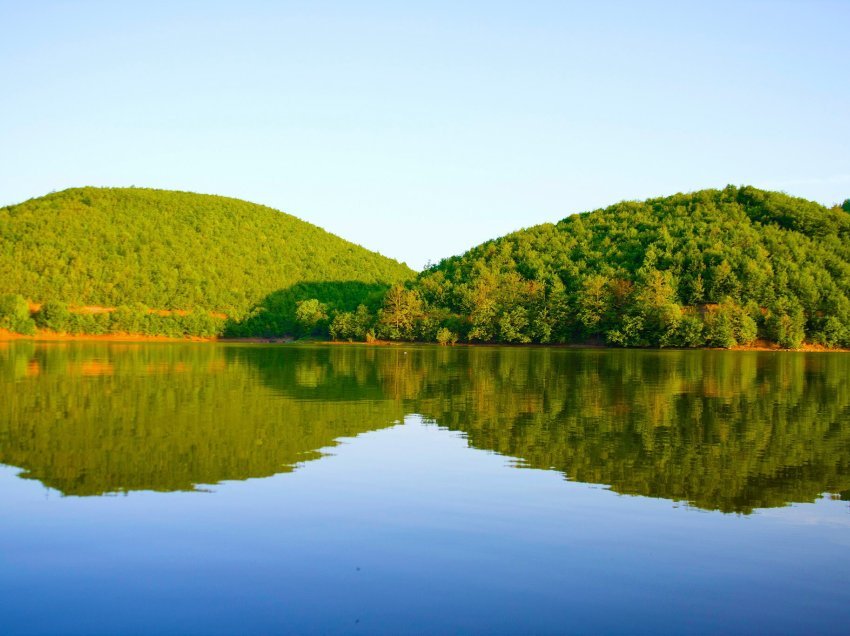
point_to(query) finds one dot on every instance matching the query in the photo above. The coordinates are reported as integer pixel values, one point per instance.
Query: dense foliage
(711, 268)
(15, 315)
(165, 250)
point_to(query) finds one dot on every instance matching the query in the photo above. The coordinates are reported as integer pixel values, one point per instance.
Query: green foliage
(691, 332)
(787, 330)
(746, 329)
(655, 302)
(311, 315)
(54, 316)
(594, 302)
(719, 329)
(15, 314)
(114, 247)
(276, 314)
(832, 333)
(445, 337)
(727, 325)
(717, 267)
(401, 315)
(127, 319)
(513, 325)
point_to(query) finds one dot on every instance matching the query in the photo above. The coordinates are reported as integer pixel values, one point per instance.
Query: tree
(53, 315)
(15, 315)
(401, 311)
(351, 325)
(594, 302)
(342, 326)
(833, 333)
(445, 336)
(655, 302)
(126, 319)
(691, 331)
(483, 307)
(310, 315)
(788, 329)
(632, 272)
(719, 328)
(512, 326)
(164, 250)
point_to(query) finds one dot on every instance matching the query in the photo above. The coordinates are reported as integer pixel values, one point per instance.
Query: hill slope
(177, 250)
(716, 267)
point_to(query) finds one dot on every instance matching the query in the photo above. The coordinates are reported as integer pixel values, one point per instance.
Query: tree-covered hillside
(166, 250)
(712, 268)
(715, 268)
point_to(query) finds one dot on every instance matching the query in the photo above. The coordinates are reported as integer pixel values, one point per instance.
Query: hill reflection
(725, 431)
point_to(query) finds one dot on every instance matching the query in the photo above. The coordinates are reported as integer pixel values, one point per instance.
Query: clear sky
(421, 129)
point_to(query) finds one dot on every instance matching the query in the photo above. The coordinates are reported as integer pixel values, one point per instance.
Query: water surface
(227, 488)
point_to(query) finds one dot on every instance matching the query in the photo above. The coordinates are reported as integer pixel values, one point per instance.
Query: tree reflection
(731, 431)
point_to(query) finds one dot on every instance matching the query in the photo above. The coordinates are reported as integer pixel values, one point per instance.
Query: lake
(223, 488)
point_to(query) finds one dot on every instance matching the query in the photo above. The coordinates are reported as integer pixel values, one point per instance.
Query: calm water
(242, 489)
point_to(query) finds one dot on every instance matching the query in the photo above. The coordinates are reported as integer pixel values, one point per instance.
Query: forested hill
(178, 251)
(715, 267)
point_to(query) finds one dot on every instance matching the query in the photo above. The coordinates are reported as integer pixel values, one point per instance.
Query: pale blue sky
(419, 130)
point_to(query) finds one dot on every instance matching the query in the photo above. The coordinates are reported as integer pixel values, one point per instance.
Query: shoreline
(48, 336)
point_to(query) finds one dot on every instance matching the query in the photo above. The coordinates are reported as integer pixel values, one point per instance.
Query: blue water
(410, 529)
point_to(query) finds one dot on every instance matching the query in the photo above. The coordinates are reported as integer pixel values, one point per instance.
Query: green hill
(716, 268)
(165, 250)
(711, 268)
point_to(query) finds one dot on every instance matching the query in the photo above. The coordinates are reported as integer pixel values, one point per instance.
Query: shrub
(690, 331)
(126, 319)
(311, 315)
(445, 336)
(53, 315)
(787, 330)
(719, 329)
(15, 315)
(833, 333)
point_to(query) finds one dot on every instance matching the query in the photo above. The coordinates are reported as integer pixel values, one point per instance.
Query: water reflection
(725, 431)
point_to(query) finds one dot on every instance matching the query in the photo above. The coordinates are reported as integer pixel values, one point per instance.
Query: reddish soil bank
(44, 336)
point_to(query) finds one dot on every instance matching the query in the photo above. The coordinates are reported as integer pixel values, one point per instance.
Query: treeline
(306, 309)
(712, 268)
(56, 317)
